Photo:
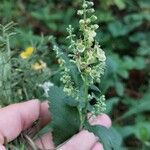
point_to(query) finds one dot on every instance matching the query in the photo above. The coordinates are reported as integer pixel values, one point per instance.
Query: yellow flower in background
(27, 52)
(39, 65)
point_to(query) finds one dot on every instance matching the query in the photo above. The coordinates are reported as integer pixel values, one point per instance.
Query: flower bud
(80, 47)
(88, 21)
(81, 21)
(90, 4)
(95, 26)
(90, 10)
(80, 12)
(93, 18)
(85, 5)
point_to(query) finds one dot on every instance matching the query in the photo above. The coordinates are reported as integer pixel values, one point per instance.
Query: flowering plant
(22, 71)
(89, 59)
(82, 66)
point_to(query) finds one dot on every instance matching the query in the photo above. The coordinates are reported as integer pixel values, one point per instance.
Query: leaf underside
(65, 119)
(106, 136)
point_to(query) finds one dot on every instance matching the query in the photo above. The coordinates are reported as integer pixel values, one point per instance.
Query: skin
(17, 118)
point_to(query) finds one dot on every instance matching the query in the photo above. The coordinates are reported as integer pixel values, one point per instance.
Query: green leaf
(144, 50)
(143, 134)
(133, 20)
(120, 4)
(140, 63)
(71, 101)
(123, 73)
(126, 131)
(141, 130)
(106, 136)
(65, 119)
(139, 107)
(110, 103)
(119, 88)
(75, 74)
(117, 28)
(140, 37)
(144, 3)
(116, 136)
(104, 15)
(94, 88)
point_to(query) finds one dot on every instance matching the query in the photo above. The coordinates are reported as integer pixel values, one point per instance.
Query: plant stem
(83, 111)
(81, 118)
(6, 69)
(9, 68)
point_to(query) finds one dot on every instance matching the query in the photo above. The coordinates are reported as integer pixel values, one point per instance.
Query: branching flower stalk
(86, 54)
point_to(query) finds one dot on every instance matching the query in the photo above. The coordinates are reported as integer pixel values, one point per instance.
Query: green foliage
(5, 56)
(87, 60)
(137, 107)
(141, 130)
(110, 103)
(124, 35)
(19, 75)
(64, 117)
(106, 136)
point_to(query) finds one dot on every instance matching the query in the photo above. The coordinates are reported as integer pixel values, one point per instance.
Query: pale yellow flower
(100, 54)
(90, 34)
(39, 65)
(27, 52)
(80, 46)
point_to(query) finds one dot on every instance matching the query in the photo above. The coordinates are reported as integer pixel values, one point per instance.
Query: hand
(18, 117)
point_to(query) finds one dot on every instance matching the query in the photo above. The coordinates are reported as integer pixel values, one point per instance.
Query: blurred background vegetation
(124, 35)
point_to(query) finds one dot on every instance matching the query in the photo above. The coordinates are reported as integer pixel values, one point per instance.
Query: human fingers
(85, 140)
(18, 117)
(44, 116)
(97, 146)
(45, 142)
(2, 147)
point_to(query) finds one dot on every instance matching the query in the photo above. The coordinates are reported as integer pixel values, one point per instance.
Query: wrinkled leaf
(65, 119)
(107, 137)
